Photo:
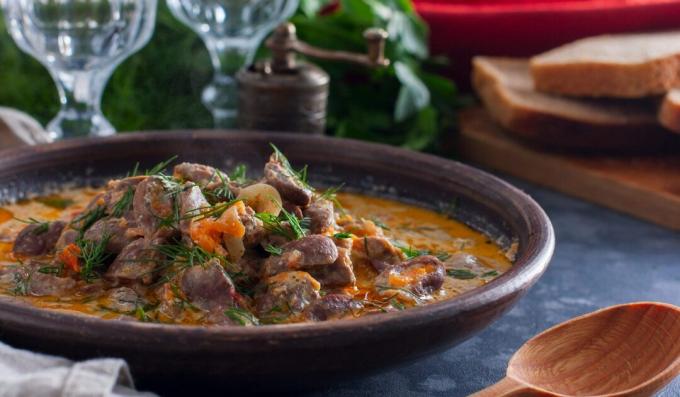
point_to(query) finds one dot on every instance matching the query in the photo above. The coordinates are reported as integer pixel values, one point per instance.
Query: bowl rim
(522, 275)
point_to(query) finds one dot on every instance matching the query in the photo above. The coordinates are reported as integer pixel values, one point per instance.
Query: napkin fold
(23, 373)
(18, 129)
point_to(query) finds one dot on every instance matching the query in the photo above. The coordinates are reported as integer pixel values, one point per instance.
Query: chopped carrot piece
(69, 256)
(5, 215)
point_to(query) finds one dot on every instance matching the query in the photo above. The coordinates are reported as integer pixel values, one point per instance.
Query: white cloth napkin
(18, 129)
(27, 374)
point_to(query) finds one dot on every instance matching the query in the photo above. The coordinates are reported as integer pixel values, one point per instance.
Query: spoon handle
(506, 387)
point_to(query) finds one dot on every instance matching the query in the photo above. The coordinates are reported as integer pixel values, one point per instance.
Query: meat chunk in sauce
(337, 274)
(68, 236)
(204, 176)
(119, 232)
(332, 306)
(136, 262)
(41, 284)
(152, 205)
(38, 238)
(286, 294)
(121, 299)
(381, 253)
(208, 287)
(116, 190)
(192, 203)
(255, 231)
(28, 279)
(310, 251)
(321, 216)
(413, 279)
(288, 185)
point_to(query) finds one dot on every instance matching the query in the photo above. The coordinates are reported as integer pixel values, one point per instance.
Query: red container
(461, 29)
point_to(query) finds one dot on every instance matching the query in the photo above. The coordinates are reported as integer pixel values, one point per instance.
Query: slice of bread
(505, 87)
(620, 66)
(669, 113)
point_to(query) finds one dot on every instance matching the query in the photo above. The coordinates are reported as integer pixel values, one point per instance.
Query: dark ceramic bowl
(297, 354)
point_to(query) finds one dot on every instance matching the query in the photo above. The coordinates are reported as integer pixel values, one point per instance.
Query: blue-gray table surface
(602, 258)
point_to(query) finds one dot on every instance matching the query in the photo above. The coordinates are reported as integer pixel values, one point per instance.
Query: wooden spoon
(626, 350)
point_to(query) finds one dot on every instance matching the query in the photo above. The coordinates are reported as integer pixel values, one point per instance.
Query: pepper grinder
(284, 93)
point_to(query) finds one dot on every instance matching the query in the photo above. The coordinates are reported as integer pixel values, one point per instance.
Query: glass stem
(221, 95)
(80, 94)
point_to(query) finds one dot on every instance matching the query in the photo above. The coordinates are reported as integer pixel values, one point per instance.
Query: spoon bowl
(625, 350)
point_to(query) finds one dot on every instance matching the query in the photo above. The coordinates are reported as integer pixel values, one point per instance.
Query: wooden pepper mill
(286, 94)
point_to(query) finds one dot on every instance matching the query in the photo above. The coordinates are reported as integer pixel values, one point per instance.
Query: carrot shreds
(69, 257)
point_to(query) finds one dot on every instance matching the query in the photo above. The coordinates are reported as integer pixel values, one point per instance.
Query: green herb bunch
(405, 104)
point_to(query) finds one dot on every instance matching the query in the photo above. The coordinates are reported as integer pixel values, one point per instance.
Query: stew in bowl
(201, 246)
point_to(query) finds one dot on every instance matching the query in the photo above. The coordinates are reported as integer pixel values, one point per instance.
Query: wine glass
(232, 31)
(80, 42)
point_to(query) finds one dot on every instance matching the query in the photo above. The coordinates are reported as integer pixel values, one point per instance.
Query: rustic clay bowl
(283, 355)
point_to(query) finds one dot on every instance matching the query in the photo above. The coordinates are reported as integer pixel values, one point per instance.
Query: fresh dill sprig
(180, 257)
(297, 226)
(141, 314)
(396, 304)
(380, 223)
(331, 194)
(160, 167)
(241, 316)
(22, 280)
(88, 218)
(182, 300)
(93, 254)
(186, 255)
(274, 250)
(286, 224)
(461, 274)
(209, 211)
(273, 224)
(238, 174)
(43, 226)
(134, 172)
(222, 192)
(172, 188)
(124, 204)
(342, 235)
(411, 252)
(301, 175)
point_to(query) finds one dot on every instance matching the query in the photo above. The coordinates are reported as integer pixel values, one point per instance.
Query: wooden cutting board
(647, 187)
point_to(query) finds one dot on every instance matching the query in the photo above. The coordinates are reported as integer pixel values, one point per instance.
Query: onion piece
(262, 198)
(234, 246)
(234, 231)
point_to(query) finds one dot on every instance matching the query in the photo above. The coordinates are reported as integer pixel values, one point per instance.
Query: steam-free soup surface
(202, 246)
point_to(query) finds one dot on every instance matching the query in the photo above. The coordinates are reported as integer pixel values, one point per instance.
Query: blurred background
(160, 86)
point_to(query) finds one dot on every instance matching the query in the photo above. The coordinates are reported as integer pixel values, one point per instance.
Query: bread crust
(669, 112)
(551, 128)
(596, 79)
(628, 65)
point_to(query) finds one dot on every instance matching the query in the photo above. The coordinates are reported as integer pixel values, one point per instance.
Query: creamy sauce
(423, 229)
(471, 259)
